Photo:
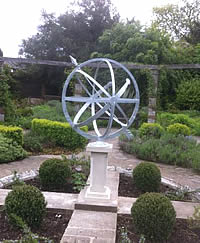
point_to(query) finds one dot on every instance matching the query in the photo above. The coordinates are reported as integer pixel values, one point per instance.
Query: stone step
(90, 226)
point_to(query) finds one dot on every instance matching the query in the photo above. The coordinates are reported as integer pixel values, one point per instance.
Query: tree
(181, 22)
(1, 53)
(74, 32)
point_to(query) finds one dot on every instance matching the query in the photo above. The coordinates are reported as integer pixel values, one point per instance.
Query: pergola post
(152, 96)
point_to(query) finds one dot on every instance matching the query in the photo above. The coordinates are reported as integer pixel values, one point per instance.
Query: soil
(180, 234)
(66, 188)
(128, 189)
(52, 227)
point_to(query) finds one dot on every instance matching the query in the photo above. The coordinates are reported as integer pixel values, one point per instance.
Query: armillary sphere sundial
(101, 98)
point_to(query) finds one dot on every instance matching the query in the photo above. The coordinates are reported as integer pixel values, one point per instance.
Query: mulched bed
(52, 227)
(128, 189)
(67, 188)
(181, 232)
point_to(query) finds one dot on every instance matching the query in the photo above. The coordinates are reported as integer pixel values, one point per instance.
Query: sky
(19, 18)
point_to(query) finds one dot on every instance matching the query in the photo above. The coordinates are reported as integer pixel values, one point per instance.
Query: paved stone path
(118, 158)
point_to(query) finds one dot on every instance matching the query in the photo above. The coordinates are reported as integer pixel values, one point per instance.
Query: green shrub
(165, 119)
(26, 202)
(179, 129)
(14, 133)
(169, 149)
(60, 133)
(54, 173)
(151, 130)
(33, 142)
(153, 216)
(183, 119)
(10, 150)
(188, 95)
(25, 111)
(147, 177)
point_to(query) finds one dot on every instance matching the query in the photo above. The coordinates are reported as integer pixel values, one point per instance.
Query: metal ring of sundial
(100, 96)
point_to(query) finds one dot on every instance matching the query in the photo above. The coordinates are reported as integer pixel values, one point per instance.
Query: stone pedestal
(98, 170)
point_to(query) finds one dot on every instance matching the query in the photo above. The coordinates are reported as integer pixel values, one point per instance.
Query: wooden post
(1, 108)
(152, 97)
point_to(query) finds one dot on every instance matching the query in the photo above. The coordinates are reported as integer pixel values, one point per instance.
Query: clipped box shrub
(59, 132)
(54, 173)
(147, 177)
(179, 129)
(10, 150)
(28, 203)
(153, 216)
(151, 130)
(14, 133)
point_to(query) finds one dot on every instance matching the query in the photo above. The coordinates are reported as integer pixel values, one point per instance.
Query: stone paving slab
(183, 209)
(91, 226)
(54, 200)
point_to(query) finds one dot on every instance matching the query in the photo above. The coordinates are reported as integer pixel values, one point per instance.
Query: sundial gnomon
(101, 98)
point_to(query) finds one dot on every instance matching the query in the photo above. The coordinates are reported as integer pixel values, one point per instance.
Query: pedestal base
(98, 170)
(94, 194)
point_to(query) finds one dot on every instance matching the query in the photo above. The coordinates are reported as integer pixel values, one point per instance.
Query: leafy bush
(183, 119)
(188, 95)
(179, 129)
(151, 130)
(26, 202)
(60, 133)
(54, 173)
(147, 177)
(14, 133)
(165, 119)
(169, 149)
(153, 216)
(10, 150)
(33, 142)
(24, 111)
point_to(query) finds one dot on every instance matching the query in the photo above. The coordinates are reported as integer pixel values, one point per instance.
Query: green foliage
(33, 142)
(82, 28)
(166, 119)
(54, 173)
(16, 180)
(25, 111)
(60, 133)
(188, 95)
(153, 216)
(179, 129)
(194, 221)
(28, 236)
(147, 177)
(26, 202)
(10, 150)
(6, 99)
(181, 21)
(151, 130)
(169, 149)
(79, 181)
(14, 133)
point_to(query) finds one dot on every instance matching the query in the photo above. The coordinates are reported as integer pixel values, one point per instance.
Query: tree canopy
(75, 32)
(182, 22)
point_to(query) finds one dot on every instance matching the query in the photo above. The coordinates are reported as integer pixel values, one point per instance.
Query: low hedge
(59, 132)
(14, 133)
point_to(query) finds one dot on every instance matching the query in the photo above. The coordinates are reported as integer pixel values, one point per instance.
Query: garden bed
(128, 189)
(52, 227)
(181, 232)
